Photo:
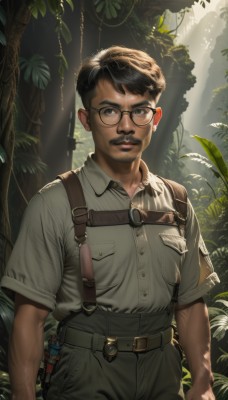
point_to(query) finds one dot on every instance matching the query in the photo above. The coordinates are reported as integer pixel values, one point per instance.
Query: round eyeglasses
(112, 115)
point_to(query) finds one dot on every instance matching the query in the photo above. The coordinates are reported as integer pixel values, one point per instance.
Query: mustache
(125, 139)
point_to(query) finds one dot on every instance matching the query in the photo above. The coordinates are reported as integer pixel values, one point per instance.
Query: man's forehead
(106, 92)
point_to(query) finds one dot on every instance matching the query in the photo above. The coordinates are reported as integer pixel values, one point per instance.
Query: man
(122, 350)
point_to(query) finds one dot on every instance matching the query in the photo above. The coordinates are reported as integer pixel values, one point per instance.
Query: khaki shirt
(135, 268)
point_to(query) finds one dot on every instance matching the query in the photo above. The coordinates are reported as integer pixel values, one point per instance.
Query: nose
(126, 126)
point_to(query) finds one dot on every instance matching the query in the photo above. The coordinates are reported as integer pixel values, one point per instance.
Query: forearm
(25, 352)
(194, 332)
(24, 359)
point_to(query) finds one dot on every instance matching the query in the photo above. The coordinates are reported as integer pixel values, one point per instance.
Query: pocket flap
(176, 242)
(100, 251)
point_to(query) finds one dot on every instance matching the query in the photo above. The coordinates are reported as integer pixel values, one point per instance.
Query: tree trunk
(17, 18)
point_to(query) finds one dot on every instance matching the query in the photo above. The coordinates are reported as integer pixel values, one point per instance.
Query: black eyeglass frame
(154, 110)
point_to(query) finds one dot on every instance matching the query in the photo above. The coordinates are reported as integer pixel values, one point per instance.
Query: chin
(128, 158)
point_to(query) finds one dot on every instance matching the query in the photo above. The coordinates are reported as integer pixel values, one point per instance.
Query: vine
(82, 18)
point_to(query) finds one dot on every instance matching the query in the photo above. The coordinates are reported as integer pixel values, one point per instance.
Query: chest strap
(133, 216)
(83, 217)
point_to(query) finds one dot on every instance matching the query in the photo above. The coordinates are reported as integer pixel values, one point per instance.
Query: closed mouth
(125, 140)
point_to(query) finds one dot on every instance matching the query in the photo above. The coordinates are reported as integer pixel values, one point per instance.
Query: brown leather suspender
(80, 215)
(83, 217)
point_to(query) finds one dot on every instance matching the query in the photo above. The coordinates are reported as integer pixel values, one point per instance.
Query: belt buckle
(110, 349)
(140, 344)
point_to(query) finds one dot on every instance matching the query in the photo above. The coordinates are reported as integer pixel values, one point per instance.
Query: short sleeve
(197, 275)
(35, 266)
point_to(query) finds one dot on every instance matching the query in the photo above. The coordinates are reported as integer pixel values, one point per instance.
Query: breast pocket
(173, 254)
(103, 255)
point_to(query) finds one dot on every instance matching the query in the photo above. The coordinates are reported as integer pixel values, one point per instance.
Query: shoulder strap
(79, 212)
(180, 196)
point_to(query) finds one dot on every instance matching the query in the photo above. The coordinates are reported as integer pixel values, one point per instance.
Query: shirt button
(144, 294)
(141, 252)
(143, 274)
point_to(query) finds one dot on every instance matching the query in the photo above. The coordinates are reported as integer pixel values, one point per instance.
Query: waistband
(136, 344)
(108, 323)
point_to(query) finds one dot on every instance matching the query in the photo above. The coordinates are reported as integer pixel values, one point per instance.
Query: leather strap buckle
(140, 344)
(80, 215)
(135, 217)
(179, 217)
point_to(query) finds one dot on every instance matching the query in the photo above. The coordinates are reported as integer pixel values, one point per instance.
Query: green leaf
(113, 11)
(35, 71)
(53, 6)
(118, 6)
(3, 156)
(42, 7)
(214, 155)
(71, 4)
(2, 16)
(100, 6)
(63, 63)
(34, 10)
(2, 39)
(223, 294)
(65, 32)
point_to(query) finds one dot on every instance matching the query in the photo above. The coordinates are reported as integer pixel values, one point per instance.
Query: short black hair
(126, 68)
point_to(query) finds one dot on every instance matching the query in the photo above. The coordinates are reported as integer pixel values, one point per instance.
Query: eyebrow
(113, 104)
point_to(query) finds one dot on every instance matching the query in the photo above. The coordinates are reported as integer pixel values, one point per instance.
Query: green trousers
(84, 374)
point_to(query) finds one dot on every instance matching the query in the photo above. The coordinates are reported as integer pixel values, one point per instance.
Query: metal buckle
(179, 217)
(110, 349)
(79, 216)
(134, 220)
(140, 344)
(89, 308)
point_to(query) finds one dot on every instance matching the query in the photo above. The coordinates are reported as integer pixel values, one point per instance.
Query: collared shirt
(136, 268)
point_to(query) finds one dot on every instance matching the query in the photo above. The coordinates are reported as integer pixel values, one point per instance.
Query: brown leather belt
(137, 344)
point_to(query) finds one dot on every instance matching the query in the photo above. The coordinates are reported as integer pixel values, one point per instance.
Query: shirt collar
(100, 181)
(149, 180)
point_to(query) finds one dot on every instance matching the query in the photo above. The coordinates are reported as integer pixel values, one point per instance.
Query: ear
(157, 117)
(83, 116)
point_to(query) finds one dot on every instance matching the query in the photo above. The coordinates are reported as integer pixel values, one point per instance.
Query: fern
(221, 386)
(24, 140)
(220, 321)
(28, 163)
(223, 358)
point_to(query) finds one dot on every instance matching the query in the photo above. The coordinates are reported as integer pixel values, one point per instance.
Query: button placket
(142, 264)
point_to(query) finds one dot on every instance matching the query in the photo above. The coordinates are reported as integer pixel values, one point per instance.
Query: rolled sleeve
(35, 267)
(197, 275)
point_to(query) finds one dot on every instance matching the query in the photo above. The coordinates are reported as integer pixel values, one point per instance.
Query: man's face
(124, 142)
